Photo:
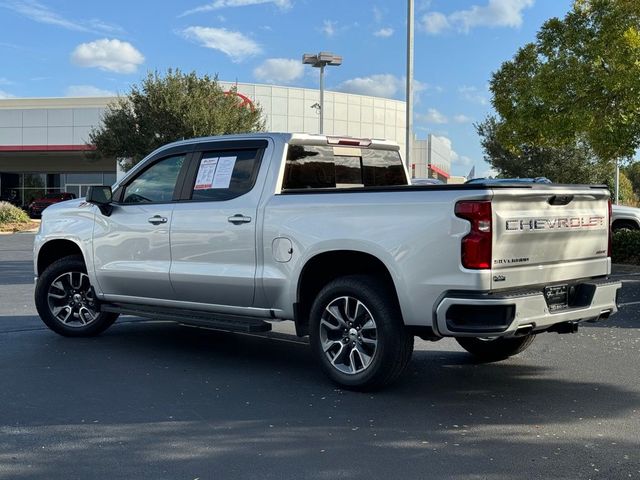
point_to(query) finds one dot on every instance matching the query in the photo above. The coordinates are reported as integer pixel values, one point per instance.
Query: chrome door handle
(157, 220)
(238, 218)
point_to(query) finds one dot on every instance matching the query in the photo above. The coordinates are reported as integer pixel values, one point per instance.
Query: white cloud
(87, 91)
(234, 44)
(36, 11)
(381, 85)
(279, 70)
(378, 16)
(473, 95)
(490, 173)
(459, 162)
(329, 28)
(5, 81)
(5, 95)
(434, 23)
(461, 118)
(110, 55)
(432, 116)
(456, 159)
(496, 13)
(384, 32)
(219, 4)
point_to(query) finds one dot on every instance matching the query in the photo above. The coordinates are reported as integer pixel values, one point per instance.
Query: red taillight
(610, 223)
(476, 246)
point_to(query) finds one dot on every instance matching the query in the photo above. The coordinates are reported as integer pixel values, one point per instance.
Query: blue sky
(71, 48)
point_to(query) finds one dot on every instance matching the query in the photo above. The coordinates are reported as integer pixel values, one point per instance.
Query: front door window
(156, 184)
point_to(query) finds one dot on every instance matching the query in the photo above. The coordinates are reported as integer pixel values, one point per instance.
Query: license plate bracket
(557, 297)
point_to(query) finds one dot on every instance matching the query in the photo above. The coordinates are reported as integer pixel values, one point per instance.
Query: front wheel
(494, 349)
(65, 300)
(357, 333)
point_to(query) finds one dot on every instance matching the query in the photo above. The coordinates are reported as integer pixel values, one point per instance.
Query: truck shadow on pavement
(169, 400)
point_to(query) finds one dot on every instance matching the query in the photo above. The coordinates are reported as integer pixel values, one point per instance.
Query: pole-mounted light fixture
(320, 61)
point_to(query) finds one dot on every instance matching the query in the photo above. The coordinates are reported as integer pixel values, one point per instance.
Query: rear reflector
(476, 246)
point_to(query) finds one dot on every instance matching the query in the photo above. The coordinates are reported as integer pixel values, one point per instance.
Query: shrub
(12, 214)
(626, 247)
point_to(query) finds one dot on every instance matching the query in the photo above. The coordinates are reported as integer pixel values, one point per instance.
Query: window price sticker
(215, 173)
(224, 170)
(206, 174)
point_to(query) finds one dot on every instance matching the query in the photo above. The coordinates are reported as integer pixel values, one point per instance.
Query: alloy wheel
(71, 300)
(348, 335)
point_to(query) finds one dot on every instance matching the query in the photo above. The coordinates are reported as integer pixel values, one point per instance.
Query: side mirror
(100, 196)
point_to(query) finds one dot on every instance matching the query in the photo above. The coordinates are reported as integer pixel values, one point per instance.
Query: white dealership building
(43, 142)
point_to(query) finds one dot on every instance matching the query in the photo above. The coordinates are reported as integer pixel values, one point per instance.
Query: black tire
(77, 325)
(623, 226)
(393, 343)
(491, 350)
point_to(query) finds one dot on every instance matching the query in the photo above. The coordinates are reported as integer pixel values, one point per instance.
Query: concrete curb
(33, 230)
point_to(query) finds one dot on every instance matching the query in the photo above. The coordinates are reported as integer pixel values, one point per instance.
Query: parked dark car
(39, 204)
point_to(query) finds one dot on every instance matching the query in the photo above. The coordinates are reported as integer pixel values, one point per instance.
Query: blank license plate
(557, 297)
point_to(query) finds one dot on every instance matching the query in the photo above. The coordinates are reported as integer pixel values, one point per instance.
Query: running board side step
(231, 323)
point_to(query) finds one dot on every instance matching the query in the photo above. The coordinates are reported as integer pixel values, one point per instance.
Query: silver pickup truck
(239, 232)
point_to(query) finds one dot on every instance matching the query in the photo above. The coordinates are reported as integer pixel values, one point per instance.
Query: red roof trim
(46, 148)
(439, 171)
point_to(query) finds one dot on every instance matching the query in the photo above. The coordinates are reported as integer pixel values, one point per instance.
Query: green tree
(632, 171)
(166, 108)
(626, 194)
(579, 82)
(562, 164)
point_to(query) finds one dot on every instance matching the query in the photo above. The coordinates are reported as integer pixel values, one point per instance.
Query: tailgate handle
(560, 199)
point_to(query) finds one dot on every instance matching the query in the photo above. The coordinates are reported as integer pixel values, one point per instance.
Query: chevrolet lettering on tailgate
(557, 223)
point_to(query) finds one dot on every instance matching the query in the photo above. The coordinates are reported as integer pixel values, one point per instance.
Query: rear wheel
(493, 349)
(623, 225)
(357, 333)
(66, 301)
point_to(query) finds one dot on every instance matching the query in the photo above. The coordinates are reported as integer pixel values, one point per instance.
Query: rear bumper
(464, 314)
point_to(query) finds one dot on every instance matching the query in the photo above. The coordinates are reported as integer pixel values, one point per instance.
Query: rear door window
(319, 166)
(226, 174)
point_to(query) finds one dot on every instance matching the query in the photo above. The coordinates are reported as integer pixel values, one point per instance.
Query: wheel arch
(327, 266)
(625, 222)
(54, 250)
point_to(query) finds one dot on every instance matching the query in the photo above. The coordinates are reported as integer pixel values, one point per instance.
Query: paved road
(153, 400)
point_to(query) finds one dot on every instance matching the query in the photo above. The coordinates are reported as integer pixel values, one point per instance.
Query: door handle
(157, 220)
(238, 218)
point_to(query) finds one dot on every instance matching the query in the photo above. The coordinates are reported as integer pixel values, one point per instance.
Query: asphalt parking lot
(154, 400)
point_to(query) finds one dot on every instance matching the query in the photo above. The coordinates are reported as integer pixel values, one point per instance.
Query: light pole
(320, 61)
(409, 112)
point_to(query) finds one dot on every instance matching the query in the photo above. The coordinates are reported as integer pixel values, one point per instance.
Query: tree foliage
(626, 194)
(632, 171)
(574, 163)
(577, 84)
(166, 108)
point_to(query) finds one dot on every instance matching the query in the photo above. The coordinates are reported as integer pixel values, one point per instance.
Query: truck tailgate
(549, 234)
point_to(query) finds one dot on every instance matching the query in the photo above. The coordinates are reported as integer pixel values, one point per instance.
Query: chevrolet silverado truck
(239, 232)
